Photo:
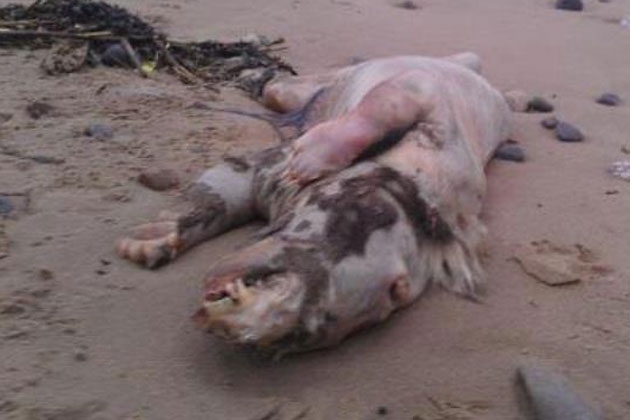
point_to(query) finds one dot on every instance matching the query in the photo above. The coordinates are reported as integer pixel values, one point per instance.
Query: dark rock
(382, 410)
(4, 117)
(116, 56)
(549, 123)
(6, 205)
(47, 159)
(12, 308)
(511, 152)
(538, 104)
(159, 179)
(568, 133)
(99, 132)
(80, 356)
(46, 274)
(8, 406)
(407, 4)
(609, 99)
(572, 5)
(38, 109)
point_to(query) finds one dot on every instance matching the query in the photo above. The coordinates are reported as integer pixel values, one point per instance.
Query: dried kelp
(111, 35)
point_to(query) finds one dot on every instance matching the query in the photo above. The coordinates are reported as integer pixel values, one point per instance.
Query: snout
(253, 309)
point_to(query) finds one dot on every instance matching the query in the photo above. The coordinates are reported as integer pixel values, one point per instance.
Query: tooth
(244, 294)
(232, 292)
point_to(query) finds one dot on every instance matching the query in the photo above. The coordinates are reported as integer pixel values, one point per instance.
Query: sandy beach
(85, 335)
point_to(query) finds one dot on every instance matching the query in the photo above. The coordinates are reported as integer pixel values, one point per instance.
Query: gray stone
(116, 56)
(568, 133)
(159, 179)
(609, 99)
(99, 132)
(538, 104)
(551, 396)
(5, 116)
(6, 205)
(549, 123)
(80, 356)
(38, 109)
(572, 5)
(407, 4)
(510, 152)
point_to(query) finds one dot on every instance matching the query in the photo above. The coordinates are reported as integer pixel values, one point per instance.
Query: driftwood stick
(183, 73)
(18, 23)
(100, 35)
(133, 56)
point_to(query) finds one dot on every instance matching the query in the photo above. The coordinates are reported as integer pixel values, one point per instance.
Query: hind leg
(221, 199)
(292, 93)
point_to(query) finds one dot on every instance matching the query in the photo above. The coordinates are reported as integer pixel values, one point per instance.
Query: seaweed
(111, 30)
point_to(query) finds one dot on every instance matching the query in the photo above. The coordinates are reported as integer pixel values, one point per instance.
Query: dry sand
(84, 335)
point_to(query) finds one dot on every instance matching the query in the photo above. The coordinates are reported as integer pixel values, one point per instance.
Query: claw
(151, 244)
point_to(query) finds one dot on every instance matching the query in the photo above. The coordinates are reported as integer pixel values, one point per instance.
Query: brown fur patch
(302, 226)
(238, 164)
(270, 157)
(353, 214)
(359, 208)
(208, 206)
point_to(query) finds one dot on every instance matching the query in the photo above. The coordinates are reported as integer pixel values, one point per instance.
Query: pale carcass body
(379, 197)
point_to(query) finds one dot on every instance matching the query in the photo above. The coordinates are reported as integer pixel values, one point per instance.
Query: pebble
(407, 4)
(159, 179)
(510, 152)
(6, 206)
(47, 159)
(99, 132)
(46, 274)
(517, 100)
(4, 117)
(80, 356)
(573, 5)
(549, 123)
(382, 410)
(568, 133)
(620, 170)
(609, 99)
(116, 56)
(38, 109)
(538, 104)
(551, 396)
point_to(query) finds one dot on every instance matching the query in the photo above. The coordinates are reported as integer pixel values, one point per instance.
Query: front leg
(393, 106)
(221, 199)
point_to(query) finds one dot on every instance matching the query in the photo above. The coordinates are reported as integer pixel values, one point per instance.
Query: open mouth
(256, 296)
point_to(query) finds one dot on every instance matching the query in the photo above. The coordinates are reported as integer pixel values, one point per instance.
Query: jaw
(254, 311)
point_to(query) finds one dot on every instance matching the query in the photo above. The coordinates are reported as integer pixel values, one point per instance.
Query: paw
(151, 244)
(310, 160)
